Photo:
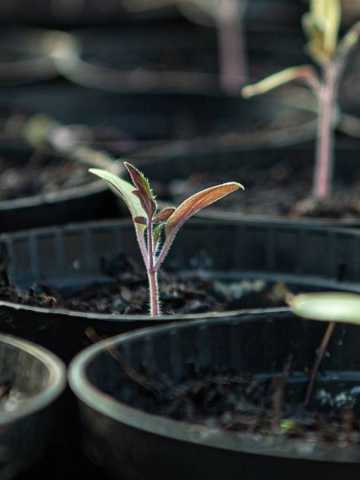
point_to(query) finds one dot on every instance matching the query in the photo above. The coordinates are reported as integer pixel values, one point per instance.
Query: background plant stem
(231, 41)
(324, 165)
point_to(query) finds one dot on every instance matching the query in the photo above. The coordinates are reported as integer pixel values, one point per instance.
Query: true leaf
(143, 190)
(321, 25)
(327, 307)
(164, 214)
(125, 191)
(140, 220)
(197, 202)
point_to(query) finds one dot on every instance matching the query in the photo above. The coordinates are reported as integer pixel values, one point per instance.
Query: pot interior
(163, 363)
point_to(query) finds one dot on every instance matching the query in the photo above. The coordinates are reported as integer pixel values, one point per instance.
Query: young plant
(325, 307)
(321, 26)
(228, 16)
(156, 230)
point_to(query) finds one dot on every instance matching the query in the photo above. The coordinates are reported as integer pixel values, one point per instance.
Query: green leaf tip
(124, 190)
(327, 307)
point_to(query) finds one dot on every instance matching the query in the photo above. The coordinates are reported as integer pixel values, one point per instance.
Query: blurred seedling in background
(325, 307)
(321, 26)
(228, 16)
(156, 229)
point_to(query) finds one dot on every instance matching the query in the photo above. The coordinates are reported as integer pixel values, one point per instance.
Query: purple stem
(231, 41)
(320, 356)
(324, 165)
(152, 273)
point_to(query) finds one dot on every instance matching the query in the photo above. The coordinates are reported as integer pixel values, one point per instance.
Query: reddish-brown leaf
(143, 190)
(197, 202)
(164, 214)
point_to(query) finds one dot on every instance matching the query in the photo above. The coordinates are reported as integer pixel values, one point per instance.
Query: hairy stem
(320, 356)
(141, 241)
(152, 273)
(231, 44)
(325, 141)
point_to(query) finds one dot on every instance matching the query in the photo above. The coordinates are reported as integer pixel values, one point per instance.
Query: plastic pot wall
(307, 257)
(131, 443)
(91, 12)
(182, 58)
(25, 431)
(148, 118)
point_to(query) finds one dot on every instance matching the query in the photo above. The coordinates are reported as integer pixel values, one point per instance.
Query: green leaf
(276, 80)
(143, 190)
(198, 202)
(321, 25)
(327, 307)
(349, 40)
(125, 191)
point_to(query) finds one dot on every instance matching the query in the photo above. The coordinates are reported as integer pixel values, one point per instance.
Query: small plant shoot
(228, 16)
(156, 229)
(321, 26)
(325, 307)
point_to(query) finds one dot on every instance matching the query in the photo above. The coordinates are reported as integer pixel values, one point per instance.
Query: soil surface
(266, 405)
(282, 190)
(39, 174)
(127, 293)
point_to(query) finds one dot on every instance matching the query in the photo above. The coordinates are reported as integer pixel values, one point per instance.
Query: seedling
(228, 16)
(156, 230)
(325, 307)
(321, 26)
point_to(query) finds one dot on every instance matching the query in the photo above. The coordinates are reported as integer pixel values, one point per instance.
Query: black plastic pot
(133, 121)
(89, 201)
(66, 15)
(117, 12)
(169, 165)
(27, 55)
(71, 257)
(121, 436)
(25, 431)
(180, 58)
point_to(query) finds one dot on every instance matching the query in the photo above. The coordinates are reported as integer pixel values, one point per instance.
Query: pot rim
(92, 187)
(118, 411)
(55, 384)
(44, 43)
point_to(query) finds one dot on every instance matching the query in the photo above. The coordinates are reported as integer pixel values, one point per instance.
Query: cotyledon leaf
(125, 191)
(197, 202)
(327, 307)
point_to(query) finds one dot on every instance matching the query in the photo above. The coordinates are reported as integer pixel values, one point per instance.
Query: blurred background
(127, 77)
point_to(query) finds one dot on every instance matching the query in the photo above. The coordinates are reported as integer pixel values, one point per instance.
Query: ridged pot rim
(288, 278)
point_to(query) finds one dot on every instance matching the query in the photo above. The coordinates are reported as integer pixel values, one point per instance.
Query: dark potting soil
(282, 190)
(127, 293)
(40, 174)
(254, 404)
